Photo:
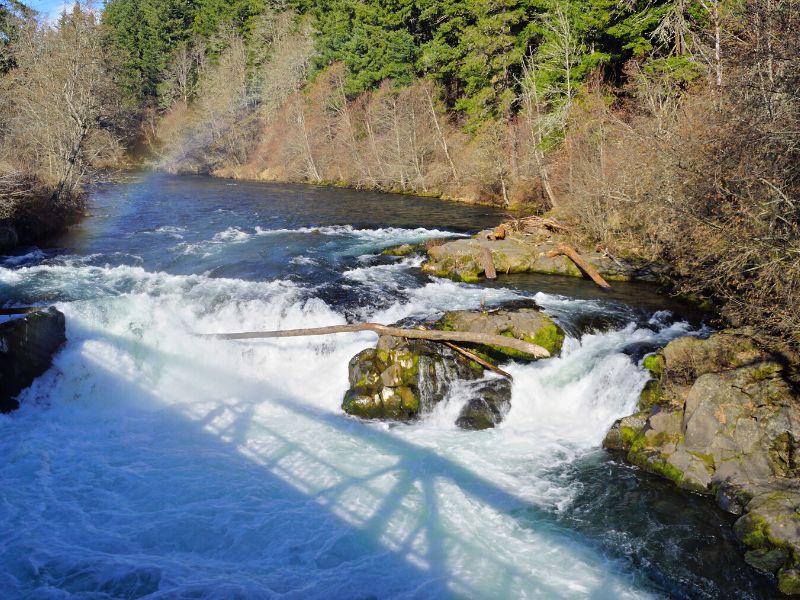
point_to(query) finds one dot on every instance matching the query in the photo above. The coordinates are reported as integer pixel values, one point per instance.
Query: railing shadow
(329, 530)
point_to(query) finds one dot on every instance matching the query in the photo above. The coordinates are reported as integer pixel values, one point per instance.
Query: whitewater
(151, 463)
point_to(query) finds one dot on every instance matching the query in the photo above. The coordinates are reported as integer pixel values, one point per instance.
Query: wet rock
(404, 250)
(399, 379)
(27, 346)
(625, 431)
(488, 405)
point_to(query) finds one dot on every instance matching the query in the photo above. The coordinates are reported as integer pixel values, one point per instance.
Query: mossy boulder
(722, 417)
(523, 321)
(525, 252)
(398, 379)
(404, 250)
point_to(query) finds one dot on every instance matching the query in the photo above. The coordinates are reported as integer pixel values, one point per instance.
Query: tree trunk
(414, 334)
(581, 263)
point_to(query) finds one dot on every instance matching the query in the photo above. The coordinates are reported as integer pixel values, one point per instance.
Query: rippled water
(151, 463)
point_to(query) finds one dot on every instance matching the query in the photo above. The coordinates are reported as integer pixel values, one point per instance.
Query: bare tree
(64, 99)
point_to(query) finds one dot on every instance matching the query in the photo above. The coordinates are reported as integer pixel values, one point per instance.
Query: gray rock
(27, 346)
(488, 406)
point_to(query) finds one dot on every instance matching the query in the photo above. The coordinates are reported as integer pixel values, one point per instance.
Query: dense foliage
(475, 49)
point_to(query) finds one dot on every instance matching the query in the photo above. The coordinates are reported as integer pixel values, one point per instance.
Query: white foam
(217, 468)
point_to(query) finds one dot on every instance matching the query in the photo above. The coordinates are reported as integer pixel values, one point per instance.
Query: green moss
(753, 532)
(707, 459)
(629, 436)
(651, 395)
(549, 337)
(654, 463)
(654, 363)
(789, 581)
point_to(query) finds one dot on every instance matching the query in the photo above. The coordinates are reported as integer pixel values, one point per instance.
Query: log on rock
(488, 263)
(580, 262)
(434, 335)
(474, 357)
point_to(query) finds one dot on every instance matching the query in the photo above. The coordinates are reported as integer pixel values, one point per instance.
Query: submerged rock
(400, 379)
(27, 346)
(722, 417)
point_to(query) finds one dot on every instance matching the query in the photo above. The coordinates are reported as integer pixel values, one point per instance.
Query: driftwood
(581, 263)
(479, 360)
(488, 263)
(414, 334)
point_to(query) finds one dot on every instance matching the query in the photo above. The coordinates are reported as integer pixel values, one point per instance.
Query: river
(150, 463)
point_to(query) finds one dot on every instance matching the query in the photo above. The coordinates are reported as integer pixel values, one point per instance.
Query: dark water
(150, 464)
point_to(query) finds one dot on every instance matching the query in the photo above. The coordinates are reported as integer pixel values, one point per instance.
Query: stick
(584, 266)
(479, 360)
(488, 263)
(415, 334)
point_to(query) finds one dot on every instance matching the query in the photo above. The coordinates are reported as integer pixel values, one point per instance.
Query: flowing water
(151, 463)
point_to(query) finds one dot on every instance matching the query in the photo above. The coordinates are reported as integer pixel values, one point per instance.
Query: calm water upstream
(149, 463)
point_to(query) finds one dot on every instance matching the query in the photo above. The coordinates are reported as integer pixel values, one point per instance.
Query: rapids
(149, 463)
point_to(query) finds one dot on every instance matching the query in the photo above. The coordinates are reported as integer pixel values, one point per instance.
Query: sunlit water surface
(151, 463)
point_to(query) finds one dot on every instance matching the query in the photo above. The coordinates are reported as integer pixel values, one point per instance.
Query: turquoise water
(149, 463)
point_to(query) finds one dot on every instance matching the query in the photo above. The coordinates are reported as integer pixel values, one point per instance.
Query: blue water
(150, 463)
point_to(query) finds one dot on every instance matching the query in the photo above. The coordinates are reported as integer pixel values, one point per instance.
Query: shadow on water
(246, 509)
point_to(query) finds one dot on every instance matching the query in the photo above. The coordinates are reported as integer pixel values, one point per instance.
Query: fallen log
(488, 263)
(414, 334)
(581, 263)
(474, 357)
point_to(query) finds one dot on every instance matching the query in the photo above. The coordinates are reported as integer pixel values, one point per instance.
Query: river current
(150, 463)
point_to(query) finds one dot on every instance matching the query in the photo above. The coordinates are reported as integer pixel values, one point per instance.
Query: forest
(666, 130)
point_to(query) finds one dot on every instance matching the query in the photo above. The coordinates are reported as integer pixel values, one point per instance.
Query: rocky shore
(721, 418)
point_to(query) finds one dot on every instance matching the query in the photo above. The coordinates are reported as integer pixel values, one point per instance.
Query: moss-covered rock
(526, 252)
(404, 250)
(722, 417)
(524, 322)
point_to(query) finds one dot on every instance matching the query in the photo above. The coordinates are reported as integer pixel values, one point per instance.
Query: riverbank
(32, 210)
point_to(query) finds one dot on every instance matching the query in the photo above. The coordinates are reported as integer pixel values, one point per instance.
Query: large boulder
(27, 346)
(522, 320)
(400, 379)
(722, 418)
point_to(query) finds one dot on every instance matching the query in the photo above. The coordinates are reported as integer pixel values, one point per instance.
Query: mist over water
(150, 463)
